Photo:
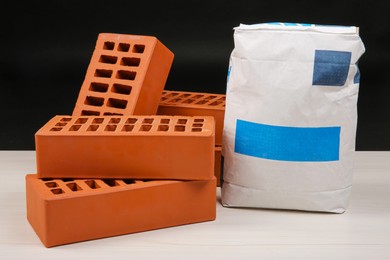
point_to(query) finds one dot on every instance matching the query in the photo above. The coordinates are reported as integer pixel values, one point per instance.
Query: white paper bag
(290, 118)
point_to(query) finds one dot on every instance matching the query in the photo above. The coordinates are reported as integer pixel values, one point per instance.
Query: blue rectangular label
(283, 143)
(331, 67)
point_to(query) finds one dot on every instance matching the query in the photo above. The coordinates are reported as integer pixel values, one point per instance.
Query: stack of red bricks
(132, 156)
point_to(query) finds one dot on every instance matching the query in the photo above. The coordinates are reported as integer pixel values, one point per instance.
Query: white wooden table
(362, 232)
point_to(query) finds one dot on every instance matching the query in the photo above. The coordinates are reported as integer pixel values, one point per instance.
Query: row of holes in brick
(120, 74)
(145, 126)
(130, 128)
(131, 120)
(124, 47)
(97, 113)
(186, 98)
(111, 102)
(115, 88)
(73, 186)
(125, 61)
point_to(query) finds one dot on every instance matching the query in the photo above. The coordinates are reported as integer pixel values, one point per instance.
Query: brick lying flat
(63, 211)
(144, 147)
(126, 76)
(195, 104)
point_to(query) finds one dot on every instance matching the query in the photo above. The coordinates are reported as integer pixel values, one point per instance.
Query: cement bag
(290, 118)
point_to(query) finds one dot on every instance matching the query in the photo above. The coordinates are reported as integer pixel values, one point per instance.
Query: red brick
(126, 76)
(195, 104)
(63, 211)
(145, 147)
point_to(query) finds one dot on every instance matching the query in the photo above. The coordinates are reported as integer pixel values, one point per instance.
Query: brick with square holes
(126, 76)
(147, 147)
(63, 211)
(195, 104)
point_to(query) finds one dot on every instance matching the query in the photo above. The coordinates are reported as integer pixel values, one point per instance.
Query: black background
(46, 47)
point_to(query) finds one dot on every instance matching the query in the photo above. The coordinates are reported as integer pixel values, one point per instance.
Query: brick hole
(74, 186)
(216, 103)
(189, 101)
(131, 120)
(100, 73)
(51, 184)
(182, 121)
(57, 191)
(176, 100)
(206, 99)
(196, 129)
(94, 101)
(148, 121)
(98, 87)
(114, 120)
(89, 113)
(98, 121)
(184, 95)
(165, 121)
(180, 128)
(201, 102)
(125, 74)
(198, 120)
(145, 128)
(197, 125)
(110, 182)
(112, 114)
(163, 99)
(121, 89)
(117, 103)
(128, 181)
(171, 95)
(163, 128)
(61, 124)
(67, 179)
(108, 59)
(198, 96)
(65, 119)
(93, 128)
(110, 128)
(81, 121)
(127, 128)
(56, 129)
(132, 62)
(92, 184)
(138, 48)
(74, 128)
(47, 179)
(124, 47)
(108, 45)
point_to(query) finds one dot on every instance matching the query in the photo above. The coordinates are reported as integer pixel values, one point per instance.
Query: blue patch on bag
(356, 79)
(331, 67)
(228, 74)
(291, 24)
(283, 143)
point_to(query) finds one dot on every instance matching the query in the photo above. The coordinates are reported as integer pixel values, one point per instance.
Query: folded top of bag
(300, 27)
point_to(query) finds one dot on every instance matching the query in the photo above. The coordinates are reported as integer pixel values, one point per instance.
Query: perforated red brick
(152, 147)
(64, 211)
(126, 76)
(195, 104)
